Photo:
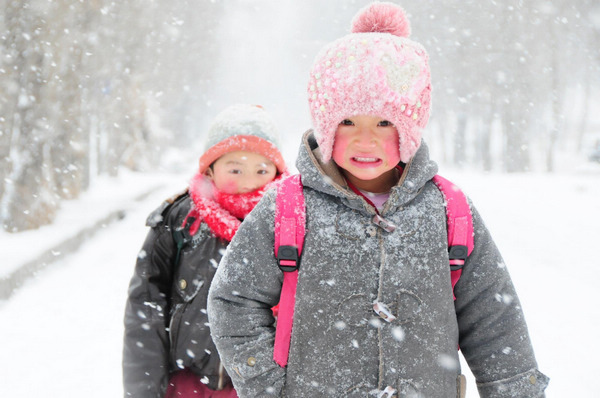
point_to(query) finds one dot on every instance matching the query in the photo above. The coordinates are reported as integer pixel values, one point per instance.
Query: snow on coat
(340, 347)
(166, 326)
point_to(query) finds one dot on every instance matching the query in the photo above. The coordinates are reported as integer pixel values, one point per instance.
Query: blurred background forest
(88, 87)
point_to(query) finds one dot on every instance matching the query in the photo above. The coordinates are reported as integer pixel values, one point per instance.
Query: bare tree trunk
(460, 140)
(6, 121)
(516, 151)
(69, 156)
(485, 140)
(28, 200)
(584, 120)
(9, 93)
(557, 94)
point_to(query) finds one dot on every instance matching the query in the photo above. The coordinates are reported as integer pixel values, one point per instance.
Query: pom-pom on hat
(375, 70)
(242, 127)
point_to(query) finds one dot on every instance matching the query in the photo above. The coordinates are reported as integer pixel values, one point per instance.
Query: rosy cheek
(392, 150)
(339, 148)
(228, 186)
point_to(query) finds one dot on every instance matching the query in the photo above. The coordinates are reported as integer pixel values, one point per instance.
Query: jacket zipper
(173, 333)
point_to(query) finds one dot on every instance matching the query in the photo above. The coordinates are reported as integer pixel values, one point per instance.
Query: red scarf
(222, 212)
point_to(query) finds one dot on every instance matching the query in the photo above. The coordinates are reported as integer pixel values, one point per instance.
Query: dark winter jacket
(166, 326)
(339, 346)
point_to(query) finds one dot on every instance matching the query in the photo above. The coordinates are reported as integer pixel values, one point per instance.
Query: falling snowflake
(340, 325)
(398, 333)
(448, 362)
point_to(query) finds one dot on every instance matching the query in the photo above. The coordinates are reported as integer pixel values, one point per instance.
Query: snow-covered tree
(88, 87)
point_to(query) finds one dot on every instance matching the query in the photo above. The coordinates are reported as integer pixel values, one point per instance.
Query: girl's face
(241, 172)
(366, 148)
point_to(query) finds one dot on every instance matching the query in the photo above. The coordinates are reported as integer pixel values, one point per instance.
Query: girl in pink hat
(374, 313)
(168, 351)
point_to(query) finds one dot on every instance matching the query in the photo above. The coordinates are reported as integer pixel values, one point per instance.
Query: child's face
(367, 149)
(241, 172)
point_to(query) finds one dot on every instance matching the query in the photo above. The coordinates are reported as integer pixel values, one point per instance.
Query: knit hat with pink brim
(242, 127)
(375, 70)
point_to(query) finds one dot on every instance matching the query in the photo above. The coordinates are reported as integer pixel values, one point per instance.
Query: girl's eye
(262, 172)
(235, 171)
(347, 122)
(385, 123)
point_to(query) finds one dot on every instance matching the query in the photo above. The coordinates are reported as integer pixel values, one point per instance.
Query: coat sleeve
(146, 340)
(245, 288)
(493, 334)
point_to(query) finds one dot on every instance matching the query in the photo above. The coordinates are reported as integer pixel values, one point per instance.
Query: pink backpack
(290, 221)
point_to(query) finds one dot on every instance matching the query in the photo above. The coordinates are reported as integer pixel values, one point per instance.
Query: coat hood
(326, 177)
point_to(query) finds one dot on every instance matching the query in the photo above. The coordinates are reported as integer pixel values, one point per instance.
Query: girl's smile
(365, 162)
(366, 148)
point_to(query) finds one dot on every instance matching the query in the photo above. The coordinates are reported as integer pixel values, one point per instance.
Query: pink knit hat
(376, 70)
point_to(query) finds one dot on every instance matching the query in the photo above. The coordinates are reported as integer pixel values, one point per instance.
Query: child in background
(369, 98)
(168, 351)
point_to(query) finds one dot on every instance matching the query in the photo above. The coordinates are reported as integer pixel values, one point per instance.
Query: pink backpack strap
(460, 226)
(290, 220)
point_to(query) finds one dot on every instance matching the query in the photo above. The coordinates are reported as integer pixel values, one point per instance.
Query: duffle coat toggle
(389, 392)
(383, 311)
(384, 224)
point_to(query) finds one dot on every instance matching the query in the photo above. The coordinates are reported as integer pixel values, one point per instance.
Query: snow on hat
(375, 70)
(242, 127)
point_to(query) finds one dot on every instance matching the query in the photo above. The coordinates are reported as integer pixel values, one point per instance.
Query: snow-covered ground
(61, 332)
(108, 196)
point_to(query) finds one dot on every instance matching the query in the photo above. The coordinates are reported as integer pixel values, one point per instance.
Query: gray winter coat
(340, 347)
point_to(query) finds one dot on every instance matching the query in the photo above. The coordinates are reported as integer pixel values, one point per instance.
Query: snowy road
(61, 333)
(61, 324)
